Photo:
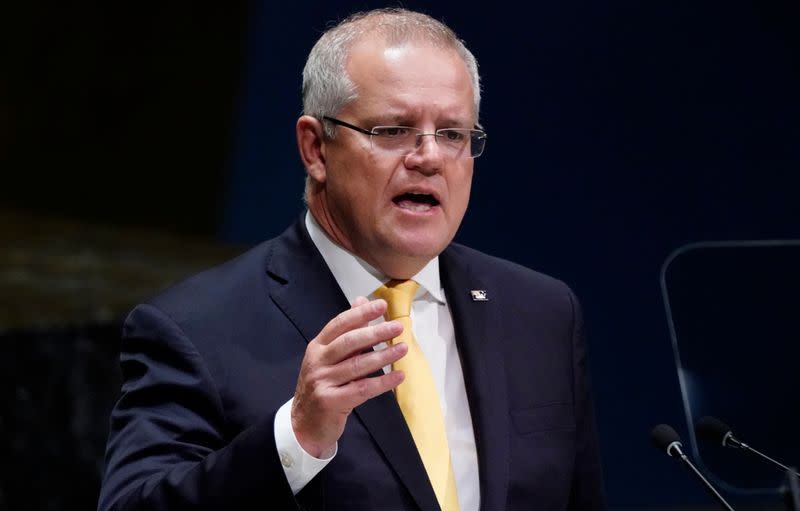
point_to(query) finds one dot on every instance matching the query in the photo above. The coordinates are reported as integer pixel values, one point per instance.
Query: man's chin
(423, 246)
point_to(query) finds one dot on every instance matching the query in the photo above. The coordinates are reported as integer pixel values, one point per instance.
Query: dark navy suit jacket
(207, 364)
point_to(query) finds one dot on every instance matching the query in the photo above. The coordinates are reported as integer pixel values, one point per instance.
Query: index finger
(360, 300)
(351, 319)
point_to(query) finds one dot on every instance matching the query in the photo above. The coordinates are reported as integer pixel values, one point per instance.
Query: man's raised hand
(334, 374)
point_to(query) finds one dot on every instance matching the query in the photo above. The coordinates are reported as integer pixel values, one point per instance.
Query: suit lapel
(385, 422)
(303, 288)
(308, 294)
(478, 329)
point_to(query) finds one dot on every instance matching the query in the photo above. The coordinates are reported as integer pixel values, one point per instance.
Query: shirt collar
(356, 277)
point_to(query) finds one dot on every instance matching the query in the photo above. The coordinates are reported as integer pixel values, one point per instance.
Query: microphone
(715, 431)
(664, 437)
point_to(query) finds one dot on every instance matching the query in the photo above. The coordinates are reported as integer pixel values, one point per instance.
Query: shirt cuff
(299, 466)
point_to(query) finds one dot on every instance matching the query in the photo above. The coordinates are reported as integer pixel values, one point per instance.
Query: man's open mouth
(416, 201)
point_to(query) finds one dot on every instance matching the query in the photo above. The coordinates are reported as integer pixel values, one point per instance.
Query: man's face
(390, 208)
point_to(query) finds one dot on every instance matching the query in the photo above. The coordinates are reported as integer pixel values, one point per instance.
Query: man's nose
(427, 156)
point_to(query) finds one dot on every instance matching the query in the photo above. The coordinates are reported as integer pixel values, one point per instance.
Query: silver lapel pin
(479, 295)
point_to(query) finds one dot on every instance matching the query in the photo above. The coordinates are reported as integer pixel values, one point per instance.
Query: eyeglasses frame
(371, 133)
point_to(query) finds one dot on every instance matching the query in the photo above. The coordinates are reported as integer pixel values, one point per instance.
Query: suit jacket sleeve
(587, 485)
(167, 447)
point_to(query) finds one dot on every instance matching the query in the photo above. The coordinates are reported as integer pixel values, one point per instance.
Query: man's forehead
(394, 79)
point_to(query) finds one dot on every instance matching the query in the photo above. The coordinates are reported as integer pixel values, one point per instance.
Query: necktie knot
(398, 295)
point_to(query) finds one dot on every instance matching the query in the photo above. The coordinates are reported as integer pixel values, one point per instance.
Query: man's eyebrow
(457, 122)
(401, 119)
(390, 120)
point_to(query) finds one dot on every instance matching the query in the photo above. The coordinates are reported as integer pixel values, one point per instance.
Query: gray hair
(327, 88)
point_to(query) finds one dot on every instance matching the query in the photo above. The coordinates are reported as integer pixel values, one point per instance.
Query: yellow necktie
(418, 398)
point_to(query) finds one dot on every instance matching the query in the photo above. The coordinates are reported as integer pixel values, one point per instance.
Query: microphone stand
(713, 490)
(792, 488)
(741, 445)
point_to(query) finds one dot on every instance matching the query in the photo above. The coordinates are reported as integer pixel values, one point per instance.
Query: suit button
(286, 460)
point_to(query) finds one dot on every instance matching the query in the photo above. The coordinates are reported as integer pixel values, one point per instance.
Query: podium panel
(733, 310)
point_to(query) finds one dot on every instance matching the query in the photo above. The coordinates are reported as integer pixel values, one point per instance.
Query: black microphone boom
(715, 431)
(664, 437)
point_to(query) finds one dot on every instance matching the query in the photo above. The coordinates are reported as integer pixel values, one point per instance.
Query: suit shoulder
(511, 275)
(216, 288)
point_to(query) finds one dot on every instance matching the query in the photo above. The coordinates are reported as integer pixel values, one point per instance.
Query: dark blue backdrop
(619, 131)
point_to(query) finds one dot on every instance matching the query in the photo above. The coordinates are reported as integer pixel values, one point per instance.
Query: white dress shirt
(433, 329)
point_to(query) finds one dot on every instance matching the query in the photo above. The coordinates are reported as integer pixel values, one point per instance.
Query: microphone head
(664, 437)
(712, 430)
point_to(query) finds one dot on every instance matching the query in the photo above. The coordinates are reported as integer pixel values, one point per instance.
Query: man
(274, 382)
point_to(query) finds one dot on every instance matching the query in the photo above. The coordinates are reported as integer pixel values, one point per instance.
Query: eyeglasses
(454, 142)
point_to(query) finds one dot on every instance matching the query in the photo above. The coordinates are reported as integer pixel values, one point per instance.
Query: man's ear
(311, 143)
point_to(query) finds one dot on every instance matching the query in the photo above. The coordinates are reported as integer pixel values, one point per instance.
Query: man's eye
(392, 131)
(453, 135)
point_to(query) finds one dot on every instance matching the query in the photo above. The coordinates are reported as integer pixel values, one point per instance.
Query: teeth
(414, 206)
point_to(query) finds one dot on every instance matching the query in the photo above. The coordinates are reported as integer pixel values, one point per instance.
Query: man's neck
(355, 276)
(397, 267)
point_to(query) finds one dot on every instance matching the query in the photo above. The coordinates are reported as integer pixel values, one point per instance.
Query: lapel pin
(479, 295)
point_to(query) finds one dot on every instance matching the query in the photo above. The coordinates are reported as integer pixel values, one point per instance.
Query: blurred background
(646, 153)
